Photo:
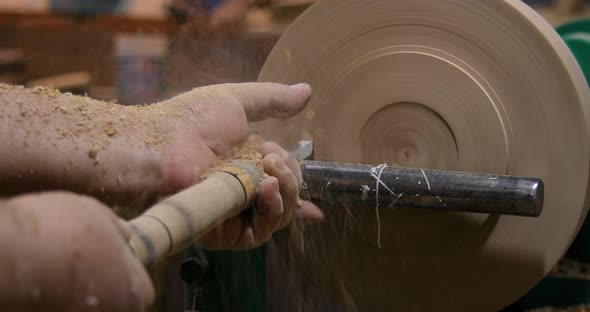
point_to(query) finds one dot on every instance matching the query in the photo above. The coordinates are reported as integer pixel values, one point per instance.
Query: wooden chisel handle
(180, 220)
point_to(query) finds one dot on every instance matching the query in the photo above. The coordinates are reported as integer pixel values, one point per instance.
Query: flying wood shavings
(391, 206)
(425, 178)
(365, 189)
(377, 183)
(376, 173)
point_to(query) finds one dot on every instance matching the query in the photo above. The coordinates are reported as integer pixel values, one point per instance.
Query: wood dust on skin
(250, 151)
(102, 121)
(96, 121)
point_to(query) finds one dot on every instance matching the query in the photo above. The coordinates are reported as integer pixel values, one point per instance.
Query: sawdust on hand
(250, 151)
(97, 121)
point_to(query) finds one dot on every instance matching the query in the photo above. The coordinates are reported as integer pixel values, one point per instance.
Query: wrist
(182, 163)
(132, 167)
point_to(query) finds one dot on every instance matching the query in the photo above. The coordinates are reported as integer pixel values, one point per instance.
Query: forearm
(50, 140)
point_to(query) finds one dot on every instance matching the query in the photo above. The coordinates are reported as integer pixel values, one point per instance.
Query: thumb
(270, 100)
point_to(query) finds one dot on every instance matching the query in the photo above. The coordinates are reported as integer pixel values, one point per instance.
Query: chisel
(181, 219)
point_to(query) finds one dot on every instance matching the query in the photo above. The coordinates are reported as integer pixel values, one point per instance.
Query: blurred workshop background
(141, 51)
(138, 51)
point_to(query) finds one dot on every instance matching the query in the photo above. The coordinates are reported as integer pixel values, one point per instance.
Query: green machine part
(576, 35)
(224, 281)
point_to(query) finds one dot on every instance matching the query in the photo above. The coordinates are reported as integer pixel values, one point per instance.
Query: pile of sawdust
(250, 151)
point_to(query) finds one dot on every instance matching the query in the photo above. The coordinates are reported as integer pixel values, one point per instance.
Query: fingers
(223, 237)
(304, 211)
(124, 229)
(270, 100)
(221, 112)
(141, 285)
(288, 185)
(142, 291)
(268, 215)
(290, 161)
(277, 202)
(238, 233)
(270, 208)
(309, 213)
(90, 236)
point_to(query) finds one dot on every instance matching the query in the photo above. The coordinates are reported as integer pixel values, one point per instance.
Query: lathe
(486, 102)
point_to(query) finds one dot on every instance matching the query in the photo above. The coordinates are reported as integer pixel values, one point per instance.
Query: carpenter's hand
(217, 125)
(277, 202)
(71, 254)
